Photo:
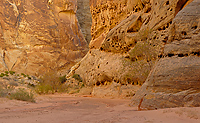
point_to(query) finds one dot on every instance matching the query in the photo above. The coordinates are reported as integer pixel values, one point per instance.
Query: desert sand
(63, 108)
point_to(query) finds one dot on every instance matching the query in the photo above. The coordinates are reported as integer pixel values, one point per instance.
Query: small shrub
(6, 72)
(82, 85)
(51, 83)
(62, 79)
(143, 51)
(62, 88)
(29, 77)
(6, 75)
(2, 75)
(23, 74)
(22, 94)
(11, 72)
(77, 77)
(43, 89)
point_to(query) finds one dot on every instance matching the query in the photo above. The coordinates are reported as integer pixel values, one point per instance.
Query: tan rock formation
(36, 36)
(107, 14)
(134, 31)
(175, 80)
(99, 67)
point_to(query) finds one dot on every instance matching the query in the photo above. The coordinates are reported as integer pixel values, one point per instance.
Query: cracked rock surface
(39, 35)
(130, 36)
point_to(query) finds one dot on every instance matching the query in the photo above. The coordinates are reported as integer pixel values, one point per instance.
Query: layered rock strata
(175, 79)
(128, 37)
(37, 36)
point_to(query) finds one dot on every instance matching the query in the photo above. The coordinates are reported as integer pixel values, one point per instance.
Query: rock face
(36, 36)
(128, 37)
(175, 79)
(107, 14)
(132, 42)
(84, 18)
(100, 66)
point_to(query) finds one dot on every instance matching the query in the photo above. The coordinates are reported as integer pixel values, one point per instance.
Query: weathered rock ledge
(130, 37)
(175, 79)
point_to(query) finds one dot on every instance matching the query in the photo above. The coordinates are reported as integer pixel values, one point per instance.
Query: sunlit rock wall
(40, 35)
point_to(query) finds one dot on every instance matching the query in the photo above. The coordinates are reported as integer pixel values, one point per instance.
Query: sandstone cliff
(175, 79)
(130, 38)
(101, 67)
(132, 42)
(40, 35)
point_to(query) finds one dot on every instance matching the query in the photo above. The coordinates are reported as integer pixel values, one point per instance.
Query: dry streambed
(64, 108)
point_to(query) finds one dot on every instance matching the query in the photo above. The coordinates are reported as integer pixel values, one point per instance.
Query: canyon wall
(40, 35)
(130, 38)
(155, 42)
(175, 79)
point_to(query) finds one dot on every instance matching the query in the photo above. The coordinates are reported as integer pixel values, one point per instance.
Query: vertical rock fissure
(2, 31)
(18, 15)
(15, 9)
(180, 5)
(84, 18)
(17, 28)
(3, 59)
(13, 65)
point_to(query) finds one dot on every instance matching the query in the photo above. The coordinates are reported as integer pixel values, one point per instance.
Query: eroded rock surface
(175, 80)
(39, 35)
(107, 14)
(128, 37)
(100, 67)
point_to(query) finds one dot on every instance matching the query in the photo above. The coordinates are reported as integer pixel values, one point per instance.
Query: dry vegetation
(51, 83)
(23, 87)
